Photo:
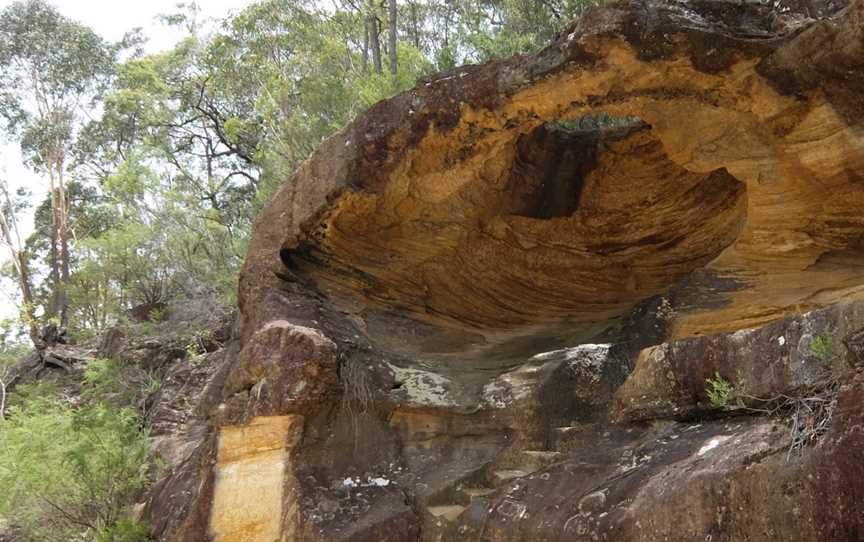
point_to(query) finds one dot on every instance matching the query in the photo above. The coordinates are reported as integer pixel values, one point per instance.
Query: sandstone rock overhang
(477, 210)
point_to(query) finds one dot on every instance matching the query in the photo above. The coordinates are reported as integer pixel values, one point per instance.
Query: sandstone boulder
(487, 310)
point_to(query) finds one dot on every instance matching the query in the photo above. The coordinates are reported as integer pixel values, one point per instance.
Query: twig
(809, 414)
(3, 394)
(67, 515)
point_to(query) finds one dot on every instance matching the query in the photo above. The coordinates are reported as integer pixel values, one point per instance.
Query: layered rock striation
(492, 307)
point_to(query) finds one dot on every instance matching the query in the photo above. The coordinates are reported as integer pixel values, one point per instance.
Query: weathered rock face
(464, 209)
(488, 309)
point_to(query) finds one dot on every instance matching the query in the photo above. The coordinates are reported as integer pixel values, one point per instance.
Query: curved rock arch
(412, 211)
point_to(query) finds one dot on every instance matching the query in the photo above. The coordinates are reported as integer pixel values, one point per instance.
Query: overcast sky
(110, 19)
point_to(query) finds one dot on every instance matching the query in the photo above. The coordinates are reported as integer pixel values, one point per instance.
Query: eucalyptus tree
(373, 28)
(52, 68)
(393, 35)
(11, 239)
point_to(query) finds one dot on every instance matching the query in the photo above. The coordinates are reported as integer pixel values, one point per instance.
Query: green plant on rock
(119, 384)
(125, 530)
(102, 377)
(152, 384)
(719, 390)
(157, 315)
(822, 346)
(195, 349)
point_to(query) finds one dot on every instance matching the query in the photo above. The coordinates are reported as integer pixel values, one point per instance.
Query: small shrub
(146, 328)
(152, 384)
(822, 346)
(36, 391)
(67, 473)
(195, 348)
(125, 530)
(103, 379)
(719, 390)
(118, 383)
(157, 315)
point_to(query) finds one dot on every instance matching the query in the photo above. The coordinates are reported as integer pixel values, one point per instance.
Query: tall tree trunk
(54, 255)
(3, 395)
(60, 243)
(366, 45)
(11, 238)
(394, 60)
(374, 42)
(446, 24)
(29, 309)
(63, 236)
(415, 29)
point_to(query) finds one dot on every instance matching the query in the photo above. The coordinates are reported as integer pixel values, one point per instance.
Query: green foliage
(478, 30)
(51, 67)
(119, 269)
(156, 315)
(103, 379)
(822, 346)
(195, 349)
(719, 390)
(69, 473)
(118, 383)
(12, 348)
(125, 530)
(44, 55)
(33, 393)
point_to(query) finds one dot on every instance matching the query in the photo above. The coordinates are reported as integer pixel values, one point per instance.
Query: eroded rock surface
(476, 209)
(489, 308)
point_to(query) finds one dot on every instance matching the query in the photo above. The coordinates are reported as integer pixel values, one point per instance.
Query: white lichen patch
(513, 387)
(368, 482)
(424, 388)
(585, 360)
(711, 444)
(584, 354)
(497, 395)
(588, 360)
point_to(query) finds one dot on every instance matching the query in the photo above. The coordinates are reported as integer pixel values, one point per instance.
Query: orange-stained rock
(463, 208)
(250, 489)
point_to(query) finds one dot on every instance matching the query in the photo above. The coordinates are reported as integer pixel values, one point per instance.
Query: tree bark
(64, 235)
(27, 296)
(54, 255)
(394, 60)
(12, 240)
(374, 41)
(2, 395)
(366, 45)
(59, 249)
(415, 30)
